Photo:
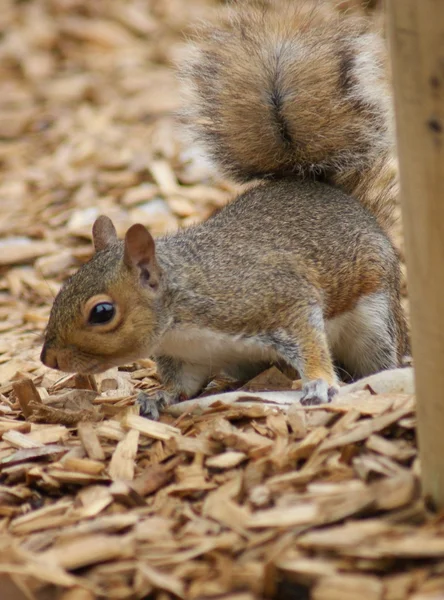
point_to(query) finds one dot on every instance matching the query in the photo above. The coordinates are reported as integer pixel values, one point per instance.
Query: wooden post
(416, 36)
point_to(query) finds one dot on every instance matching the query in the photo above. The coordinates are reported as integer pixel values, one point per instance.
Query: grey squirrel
(293, 270)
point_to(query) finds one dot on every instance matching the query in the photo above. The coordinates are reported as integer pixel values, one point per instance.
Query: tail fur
(280, 88)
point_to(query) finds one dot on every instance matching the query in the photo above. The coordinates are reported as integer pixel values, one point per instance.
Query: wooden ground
(241, 502)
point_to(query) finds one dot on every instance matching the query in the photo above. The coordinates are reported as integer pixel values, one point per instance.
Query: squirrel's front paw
(318, 392)
(151, 405)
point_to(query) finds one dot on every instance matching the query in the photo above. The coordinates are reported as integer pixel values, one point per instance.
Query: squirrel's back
(295, 88)
(230, 253)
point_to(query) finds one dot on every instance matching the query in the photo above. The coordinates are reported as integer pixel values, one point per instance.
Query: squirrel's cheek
(54, 359)
(66, 361)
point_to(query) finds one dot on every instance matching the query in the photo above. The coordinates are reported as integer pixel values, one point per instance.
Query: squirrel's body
(228, 303)
(292, 271)
(231, 255)
(259, 282)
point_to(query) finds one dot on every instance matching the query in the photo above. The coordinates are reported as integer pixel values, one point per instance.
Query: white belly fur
(351, 338)
(203, 346)
(354, 336)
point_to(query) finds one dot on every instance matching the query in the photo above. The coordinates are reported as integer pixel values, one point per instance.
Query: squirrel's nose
(48, 357)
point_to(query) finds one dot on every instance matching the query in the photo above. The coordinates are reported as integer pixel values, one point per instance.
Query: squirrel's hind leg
(365, 340)
(304, 346)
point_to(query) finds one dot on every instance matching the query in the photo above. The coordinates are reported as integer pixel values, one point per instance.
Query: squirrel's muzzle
(48, 357)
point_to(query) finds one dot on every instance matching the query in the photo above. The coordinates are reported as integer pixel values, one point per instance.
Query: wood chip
(348, 587)
(26, 392)
(90, 441)
(122, 461)
(84, 465)
(21, 250)
(162, 581)
(227, 460)
(151, 429)
(365, 429)
(20, 440)
(288, 517)
(34, 453)
(89, 550)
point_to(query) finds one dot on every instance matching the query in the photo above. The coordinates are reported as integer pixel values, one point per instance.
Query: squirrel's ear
(104, 233)
(140, 253)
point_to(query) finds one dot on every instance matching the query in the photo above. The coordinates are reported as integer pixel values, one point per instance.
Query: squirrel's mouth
(74, 360)
(69, 361)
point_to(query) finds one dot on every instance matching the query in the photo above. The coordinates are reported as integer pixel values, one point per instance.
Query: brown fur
(293, 88)
(269, 274)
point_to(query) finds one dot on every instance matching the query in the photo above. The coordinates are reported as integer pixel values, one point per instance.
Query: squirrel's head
(104, 314)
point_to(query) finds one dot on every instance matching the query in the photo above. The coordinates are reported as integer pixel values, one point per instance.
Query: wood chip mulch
(243, 500)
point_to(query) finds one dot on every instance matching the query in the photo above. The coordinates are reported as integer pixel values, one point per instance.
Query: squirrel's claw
(317, 392)
(151, 405)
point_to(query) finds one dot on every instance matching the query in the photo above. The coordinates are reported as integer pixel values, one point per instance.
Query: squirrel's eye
(103, 312)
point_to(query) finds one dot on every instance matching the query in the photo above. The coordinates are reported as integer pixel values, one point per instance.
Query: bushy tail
(295, 89)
